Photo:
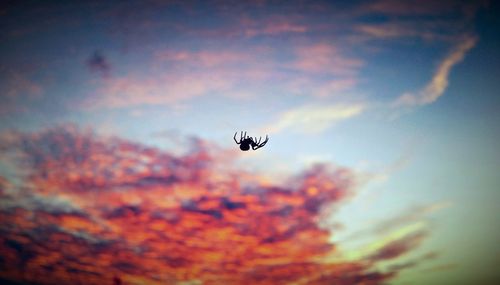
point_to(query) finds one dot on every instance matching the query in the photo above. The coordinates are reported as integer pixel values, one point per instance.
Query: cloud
(440, 268)
(271, 26)
(326, 59)
(181, 75)
(399, 247)
(4, 184)
(417, 8)
(165, 89)
(426, 29)
(39, 203)
(414, 8)
(444, 21)
(99, 64)
(437, 86)
(242, 21)
(18, 88)
(413, 262)
(20, 85)
(321, 70)
(314, 118)
(148, 216)
(277, 28)
(204, 58)
(413, 215)
(334, 87)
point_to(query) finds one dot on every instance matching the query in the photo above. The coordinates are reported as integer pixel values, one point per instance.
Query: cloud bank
(106, 210)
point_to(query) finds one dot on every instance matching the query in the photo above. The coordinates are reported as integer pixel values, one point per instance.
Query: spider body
(247, 142)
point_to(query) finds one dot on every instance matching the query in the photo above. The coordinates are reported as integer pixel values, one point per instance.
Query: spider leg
(256, 143)
(235, 138)
(264, 142)
(259, 145)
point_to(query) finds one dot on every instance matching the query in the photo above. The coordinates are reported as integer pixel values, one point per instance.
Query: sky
(118, 164)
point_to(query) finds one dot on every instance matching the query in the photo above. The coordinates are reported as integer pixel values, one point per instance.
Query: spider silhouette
(247, 142)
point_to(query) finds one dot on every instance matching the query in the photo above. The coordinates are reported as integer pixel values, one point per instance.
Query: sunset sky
(118, 165)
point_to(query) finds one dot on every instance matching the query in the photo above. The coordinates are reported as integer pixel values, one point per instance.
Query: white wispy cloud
(314, 118)
(439, 82)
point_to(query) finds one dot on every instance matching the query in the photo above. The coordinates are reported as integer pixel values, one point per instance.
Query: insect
(247, 142)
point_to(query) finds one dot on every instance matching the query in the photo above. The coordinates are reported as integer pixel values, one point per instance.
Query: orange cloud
(108, 210)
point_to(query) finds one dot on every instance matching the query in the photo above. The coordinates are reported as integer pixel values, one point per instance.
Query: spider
(245, 142)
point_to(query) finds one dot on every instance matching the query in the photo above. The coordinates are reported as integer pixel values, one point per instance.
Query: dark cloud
(123, 211)
(98, 63)
(440, 268)
(408, 216)
(413, 262)
(3, 185)
(418, 8)
(399, 247)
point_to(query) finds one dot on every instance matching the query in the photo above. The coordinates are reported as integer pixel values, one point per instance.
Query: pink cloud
(325, 59)
(334, 87)
(206, 59)
(244, 26)
(166, 89)
(20, 85)
(271, 27)
(188, 75)
(325, 70)
(18, 89)
(184, 74)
